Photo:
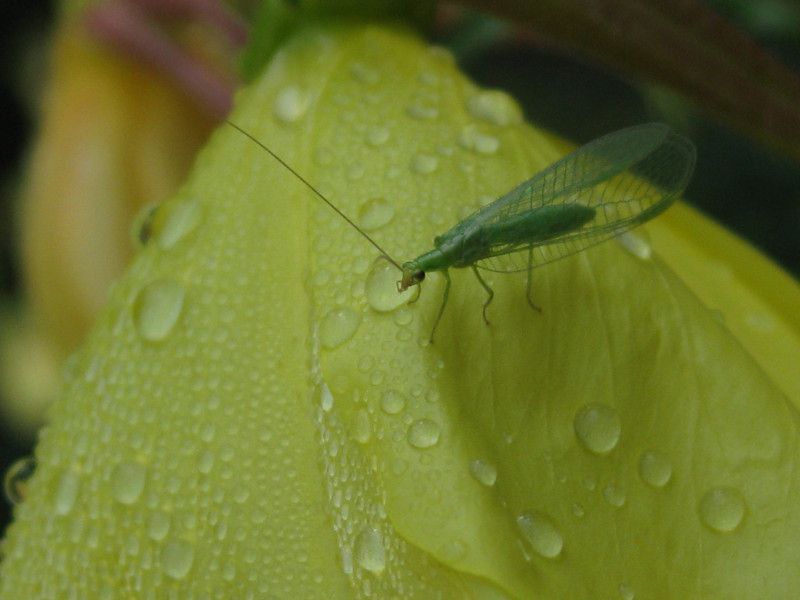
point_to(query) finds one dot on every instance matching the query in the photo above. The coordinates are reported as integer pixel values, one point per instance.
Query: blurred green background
(744, 185)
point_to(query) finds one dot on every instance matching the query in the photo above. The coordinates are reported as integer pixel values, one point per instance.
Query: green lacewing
(591, 195)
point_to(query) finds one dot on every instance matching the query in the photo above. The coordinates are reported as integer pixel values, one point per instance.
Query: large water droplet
(598, 428)
(722, 509)
(291, 104)
(66, 492)
(156, 309)
(423, 433)
(15, 481)
(374, 214)
(178, 223)
(127, 482)
(484, 472)
(540, 533)
(472, 139)
(381, 288)
(338, 326)
(496, 107)
(424, 163)
(176, 558)
(655, 469)
(369, 551)
(392, 402)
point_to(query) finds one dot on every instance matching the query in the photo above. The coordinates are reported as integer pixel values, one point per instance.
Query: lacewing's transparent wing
(627, 177)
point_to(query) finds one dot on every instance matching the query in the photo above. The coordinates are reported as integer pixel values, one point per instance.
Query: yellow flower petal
(251, 416)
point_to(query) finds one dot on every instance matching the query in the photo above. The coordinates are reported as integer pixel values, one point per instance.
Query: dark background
(742, 184)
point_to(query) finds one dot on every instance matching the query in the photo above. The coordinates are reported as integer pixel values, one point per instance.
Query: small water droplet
(326, 398)
(291, 104)
(157, 308)
(377, 135)
(636, 244)
(424, 163)
(127, 482)
(598, 428)
(626, 592)
(495, 107)
(540, 533)
(472, 139)
(722, 509)
(364, 74)
(178, 223)
(374, 214)
(578, 510)
(614, 495)
(381, 288)
(392, 402)
(484, 472)
(369, 551)
(176, 558)
(655, 469)
(158, 525)
(422, 111)
(423, 433)
(362, 428)
(15, 481)
(338, 326)
(66, 492)
(453, 551)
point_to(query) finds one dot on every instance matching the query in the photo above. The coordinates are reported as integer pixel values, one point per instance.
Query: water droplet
(495, 107)
(142, 226)
(364, 74)
(362, 428)
(176, 558)
(540, 533)
(392, 402)
(655, 469)
(156, 309)
(369, 550)
(15, 481)
(66, 492)
(483, 472)
(422, 111)
(424, 163)
(158, 525)
(381, 288)
(127, 482)
(722, 509)
(453, 551)
(578, 510)
(423, 433)
(326, 398)
(378, 135)
(598, 428)
(374, 214)
(205, 462)
(614, 495)
(291, 104)
(472, 139)
(338, 326)
(636, 244)
(626, 592)
(179, 222)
